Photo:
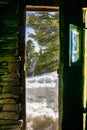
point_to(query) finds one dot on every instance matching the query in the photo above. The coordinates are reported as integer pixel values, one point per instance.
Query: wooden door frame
(51, 9)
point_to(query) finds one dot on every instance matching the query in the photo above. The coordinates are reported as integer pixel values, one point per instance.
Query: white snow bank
(41, 97)
(43, 80)
(40, 109)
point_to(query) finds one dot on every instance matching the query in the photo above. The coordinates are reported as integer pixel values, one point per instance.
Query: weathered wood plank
(9, 79)
(10, 23)
(11, 127)
(11, 74)
(9, 70)
(3, 70)
(10, 122)
(9, 67)
(9, 17)
(7, 96)
(8, 52)
(8, 44)
(8, 101)
(13, 66)
(11, 41)
(9, 83)
(9, 59)
(10, 107)
(6, 31)
(9, 115)
(13, 36)
(10, 89)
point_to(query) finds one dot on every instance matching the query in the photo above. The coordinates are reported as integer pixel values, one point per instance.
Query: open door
(42, 61)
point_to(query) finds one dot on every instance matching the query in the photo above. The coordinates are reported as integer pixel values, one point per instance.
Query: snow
(40, 109)
(42, 96)
(43, 80)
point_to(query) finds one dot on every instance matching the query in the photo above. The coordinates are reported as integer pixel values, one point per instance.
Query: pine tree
(46, 33)
(30, 56)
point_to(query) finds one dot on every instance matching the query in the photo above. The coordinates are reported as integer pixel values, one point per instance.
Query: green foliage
(45, 25)
(46, 34)
(46, 63)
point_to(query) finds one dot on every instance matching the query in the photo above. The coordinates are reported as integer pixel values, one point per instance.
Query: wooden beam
(41, 8)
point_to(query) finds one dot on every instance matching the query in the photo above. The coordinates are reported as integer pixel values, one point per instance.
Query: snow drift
(41, 97)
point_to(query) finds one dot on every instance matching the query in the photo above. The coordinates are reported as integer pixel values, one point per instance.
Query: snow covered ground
(41, 97)
(43, 80)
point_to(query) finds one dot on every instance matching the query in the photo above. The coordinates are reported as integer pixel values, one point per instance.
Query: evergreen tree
(46, 33)
(30, 56)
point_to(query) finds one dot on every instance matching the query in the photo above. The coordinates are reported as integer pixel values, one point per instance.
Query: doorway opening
(42, 64)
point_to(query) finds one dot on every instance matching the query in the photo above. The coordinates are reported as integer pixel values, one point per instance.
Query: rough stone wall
(10, 89)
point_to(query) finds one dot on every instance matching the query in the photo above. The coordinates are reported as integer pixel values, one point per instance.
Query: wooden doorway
(44, 11)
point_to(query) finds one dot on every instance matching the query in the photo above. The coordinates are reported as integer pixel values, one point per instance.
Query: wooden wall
(11, 65)
(43, 2)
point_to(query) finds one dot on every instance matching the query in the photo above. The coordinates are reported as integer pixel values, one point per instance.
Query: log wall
(11, 89)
